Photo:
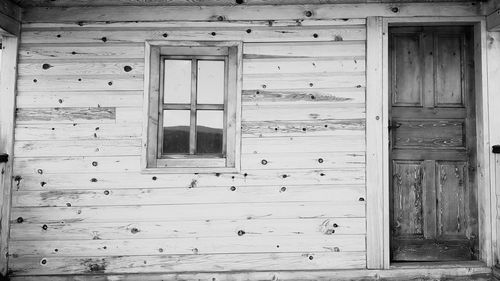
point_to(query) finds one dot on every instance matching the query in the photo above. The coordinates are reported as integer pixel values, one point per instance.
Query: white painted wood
(493, 56)
(455, 271)
(374, 149)
(310, 227)
(285, 12)
(8, 72)
(213, 263)
(48, 197)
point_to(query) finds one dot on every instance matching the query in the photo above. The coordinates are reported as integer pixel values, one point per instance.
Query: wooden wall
(81, 205)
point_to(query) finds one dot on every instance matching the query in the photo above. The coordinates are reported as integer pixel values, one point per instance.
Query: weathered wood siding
(81, 204)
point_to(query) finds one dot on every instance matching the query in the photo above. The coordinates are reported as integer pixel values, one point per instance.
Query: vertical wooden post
(8, 73)
(493, 58)
(484, 155)
(375, 215)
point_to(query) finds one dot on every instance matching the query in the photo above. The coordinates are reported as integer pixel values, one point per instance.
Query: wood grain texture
(187, 246)
(78, 173)
(228, 262)
(138, 13)
(188, 196)
(313, 228)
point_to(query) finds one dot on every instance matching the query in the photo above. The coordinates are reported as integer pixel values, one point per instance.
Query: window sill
(190, 170)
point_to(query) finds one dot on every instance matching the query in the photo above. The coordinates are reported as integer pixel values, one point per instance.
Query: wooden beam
(8, 72)
(10, 17)
(374, 147)
(493, 21)
(244, 12)
(493, 57)
(459, 271)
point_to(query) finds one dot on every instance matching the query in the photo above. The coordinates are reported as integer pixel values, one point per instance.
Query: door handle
(4, 157)
(393, 125)
(496, 149)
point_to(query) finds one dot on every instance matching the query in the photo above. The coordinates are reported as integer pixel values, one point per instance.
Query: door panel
(407, 83)
(433, 207)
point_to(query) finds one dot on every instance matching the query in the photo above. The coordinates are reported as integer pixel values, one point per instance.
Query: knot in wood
(104, 39)
(315, 35)
(335, 225)
(336, 249)
(127, 68)
(94, 163)
(239, 2)
(308, 14)
(232, 188)
(165, 35)
(93, 180)
(311, 258)
(283, 189)
(46, 66)
(263, 162)
(154, 178)
(44, 227)
(249, 30)
(320, 160)
(106, 192)
(395, 9)
(220, 18)
(361, 199)
(213, 33)
(43, 261)
(241, 232)
(20, 220)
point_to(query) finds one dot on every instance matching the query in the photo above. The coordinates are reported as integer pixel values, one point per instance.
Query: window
(193, 106)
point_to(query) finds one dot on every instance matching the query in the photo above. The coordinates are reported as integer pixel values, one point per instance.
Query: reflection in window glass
(209, 131)
(210, 82)
(177, 85)
(176, 131)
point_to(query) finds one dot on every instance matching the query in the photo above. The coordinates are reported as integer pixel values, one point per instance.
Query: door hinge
(4, 157)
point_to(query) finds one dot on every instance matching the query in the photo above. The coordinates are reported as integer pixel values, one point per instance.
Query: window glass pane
(210, 82)
(177, 85)
(209, 131)
(176, 131)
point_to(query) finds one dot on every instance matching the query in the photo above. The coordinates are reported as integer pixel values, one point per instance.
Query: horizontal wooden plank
(79, 83)
(458, 271)
(303, 144)
(77, 115)
(238, 211)
(69, 3)
(282, 50)
(131, 68)
(207, 195)
(48, 53)
(428, 113)
(189, 263)
(172, 229)
(298, 160)
(79, 148)
(304, 81)
(191, 24)
(257, 34)
(77, 132)
(79, 99)
(302, 65)
(74, 114)
(186, 246)
(244, 12)
(77, 164)
(302, 128)
(76, 173)
(303, 96)
(303, 112)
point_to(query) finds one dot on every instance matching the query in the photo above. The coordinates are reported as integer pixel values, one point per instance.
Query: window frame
(156, 52)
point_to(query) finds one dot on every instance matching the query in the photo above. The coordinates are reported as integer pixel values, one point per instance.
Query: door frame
(377, 134)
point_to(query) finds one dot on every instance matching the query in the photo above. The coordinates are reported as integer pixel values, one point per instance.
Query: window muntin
(194, 85)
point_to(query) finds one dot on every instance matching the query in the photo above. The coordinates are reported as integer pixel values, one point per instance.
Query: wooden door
(433, 193)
